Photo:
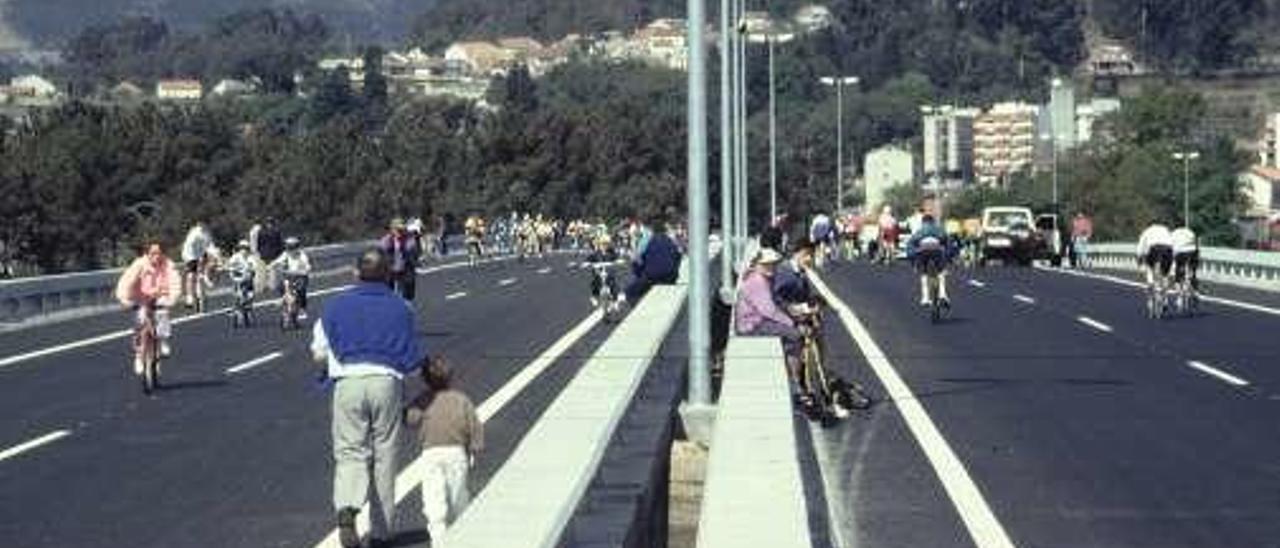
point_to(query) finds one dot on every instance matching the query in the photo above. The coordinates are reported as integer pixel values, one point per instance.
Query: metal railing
(41, 297)
(1239, 267)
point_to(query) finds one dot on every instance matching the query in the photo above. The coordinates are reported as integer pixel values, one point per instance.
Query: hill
(49, 24)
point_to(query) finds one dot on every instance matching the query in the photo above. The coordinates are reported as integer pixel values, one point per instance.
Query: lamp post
(839, 82)
(726, 147)
(1186, 158)
(773, 137)
(741, 120)
(1049, 138)
(699, 279)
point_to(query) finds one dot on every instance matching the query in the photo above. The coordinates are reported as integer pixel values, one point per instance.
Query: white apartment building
(948, 142)
(1004, 141)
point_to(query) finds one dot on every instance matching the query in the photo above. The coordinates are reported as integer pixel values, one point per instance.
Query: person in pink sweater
(757, 314)
(151, 278)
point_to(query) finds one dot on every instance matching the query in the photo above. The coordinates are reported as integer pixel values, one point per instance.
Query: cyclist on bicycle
(821, 233)
(195, 250)
(242, 266)
(151, 281)
(475, 229)
(1186, 256)
(1155, 253)
(888, 244)
(603, 256)
(928, 251)
(295, 267)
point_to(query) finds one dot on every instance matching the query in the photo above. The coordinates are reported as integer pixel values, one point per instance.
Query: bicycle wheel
(150, 356)
(935, 304)
(816, 381)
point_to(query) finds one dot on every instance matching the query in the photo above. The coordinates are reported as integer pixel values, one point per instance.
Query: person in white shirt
(194, 250)
(1186, 255)
(242, 268)
(295, 268)
(1155, 251)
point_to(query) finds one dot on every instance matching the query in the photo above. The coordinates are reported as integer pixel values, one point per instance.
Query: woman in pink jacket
(756, 312)
(151, 278)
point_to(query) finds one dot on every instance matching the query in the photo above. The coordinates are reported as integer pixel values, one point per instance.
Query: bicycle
(830, 398)
(242, 309)
(1159, 302)
(1186, 298)
(473, 254)
(289, 305)
(605, 300)
(933, 269)
(146, 345)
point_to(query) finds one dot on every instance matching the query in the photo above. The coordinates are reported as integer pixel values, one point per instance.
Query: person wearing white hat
(756, 312)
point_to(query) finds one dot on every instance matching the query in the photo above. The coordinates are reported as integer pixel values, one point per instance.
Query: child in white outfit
(451, 435)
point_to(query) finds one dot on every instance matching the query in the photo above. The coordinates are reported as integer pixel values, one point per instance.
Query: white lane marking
(1095, 324)
(411, 475)
(1229, 378)
(457, 295)
(1205, 298)
(64, 347)
(981, 522)
(1024, 299)
(254, 363)
(976, 283)
(507, 281)
(544, 270)
(29, 445)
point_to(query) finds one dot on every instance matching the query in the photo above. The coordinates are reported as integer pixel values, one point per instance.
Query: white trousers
(444, 488)
(164, 326)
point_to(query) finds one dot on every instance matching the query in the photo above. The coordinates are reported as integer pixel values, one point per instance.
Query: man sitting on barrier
(757, 314)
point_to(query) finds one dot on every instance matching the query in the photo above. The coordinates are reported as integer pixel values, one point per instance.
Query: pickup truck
(1009, 236)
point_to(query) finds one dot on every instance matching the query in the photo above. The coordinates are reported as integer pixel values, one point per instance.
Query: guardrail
(533, 496)
(754, 491)
(1239, 267)
(44, 297)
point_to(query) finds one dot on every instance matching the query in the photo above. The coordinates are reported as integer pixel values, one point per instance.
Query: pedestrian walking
(451, 435)
(367, 338)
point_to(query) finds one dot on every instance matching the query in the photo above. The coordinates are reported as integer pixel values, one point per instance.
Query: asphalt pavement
(1078, 421)
(235, 450)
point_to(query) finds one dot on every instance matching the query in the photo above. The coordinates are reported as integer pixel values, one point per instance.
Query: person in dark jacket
(270, 241)
(402, 251)
(658, 264)
(367, 340)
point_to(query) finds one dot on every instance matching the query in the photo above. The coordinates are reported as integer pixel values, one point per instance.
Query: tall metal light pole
(1186, 158)
(727, 149)
(773, 138)
(699, 294)
(1048, 138)
(743, 172)
(839, 82)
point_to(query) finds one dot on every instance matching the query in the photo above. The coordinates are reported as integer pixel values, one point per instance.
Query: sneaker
(347, 535)
(165, 351)
(302, 315)
(595, 302)
(137, 365)
(924, 301)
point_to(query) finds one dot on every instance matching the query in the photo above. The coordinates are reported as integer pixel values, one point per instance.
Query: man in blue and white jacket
(367, 337)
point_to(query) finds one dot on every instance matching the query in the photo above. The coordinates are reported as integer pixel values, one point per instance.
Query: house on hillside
(481, 58)
(179, 90)
(126, 92)
(353, 65)
(1260, 224)
(32, 90)
(813, 18)
(230, 87)
(663, 43)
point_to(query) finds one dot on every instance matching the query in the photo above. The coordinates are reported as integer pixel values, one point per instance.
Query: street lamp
(1048, 138)
(839, 82)
(1186, 158)
(727, 222)
(773, 137)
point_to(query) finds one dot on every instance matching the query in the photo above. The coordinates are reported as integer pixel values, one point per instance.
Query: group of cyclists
(153, 284)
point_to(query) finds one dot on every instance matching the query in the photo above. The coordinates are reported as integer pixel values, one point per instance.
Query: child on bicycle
(930, 253)
(242, 267)
(151, 281)
(295, 268)
(603, 256)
